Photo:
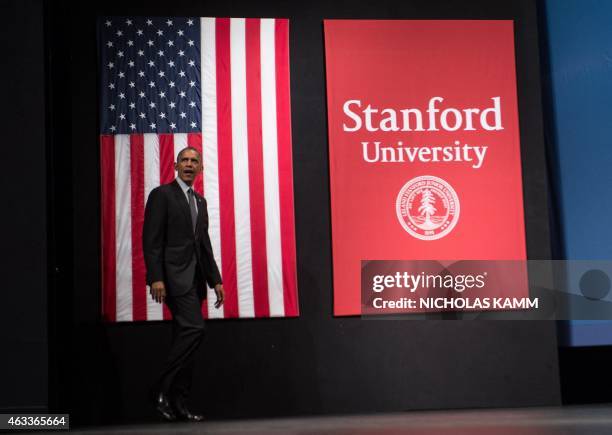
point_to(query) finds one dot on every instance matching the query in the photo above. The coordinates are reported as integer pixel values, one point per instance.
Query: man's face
(188, 166)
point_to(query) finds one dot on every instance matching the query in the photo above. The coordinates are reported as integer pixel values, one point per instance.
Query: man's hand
(220, 295)
(158, 291)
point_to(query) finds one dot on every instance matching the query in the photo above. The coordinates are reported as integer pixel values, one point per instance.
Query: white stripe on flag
(270, 162)
(209, 146)
(240, 154)
(123, 227)
(151, 181)
(180, 142)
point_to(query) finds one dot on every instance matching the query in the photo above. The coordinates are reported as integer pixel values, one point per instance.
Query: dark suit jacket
(172, 252)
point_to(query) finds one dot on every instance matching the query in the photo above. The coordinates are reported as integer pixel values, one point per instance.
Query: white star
(111, 86)
(162, 94)
(169, 22)
(171, 84)
(130, 43)
(192, 104)
(132, 105)
(183, 115)
(151, 63)
(180, 33)
(119, 33)
(140, 53)
(191, 63)
(131, 64)
(139, 32)
(160, 53)
(111, 107)
(194, 125)
(182, 73)
(170, 43)
(182, 94)
(122, 116)
(181, 53)
(132, 84)
(141, 73)
(192, 83)
(150, 43)
(152, 125)
(152, 105)
(111, 65)
(108, 23)
(171, 63)
(152, 84)
(142, 115)
(128, 22)
(133, 126)
(121, 74)
(149, 22)
(190, 43)
(161, 73)
(160, 32)
(162, 115)
(120, 54)
(112, 128)
(172, 105)
(172, 125)
(142, 94)
(190, 22)
(121, 96)
(109, 44)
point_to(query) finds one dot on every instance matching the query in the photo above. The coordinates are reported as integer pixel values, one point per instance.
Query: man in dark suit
(180, 263)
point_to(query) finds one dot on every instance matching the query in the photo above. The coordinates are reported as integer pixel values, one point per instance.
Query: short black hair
(178, 157)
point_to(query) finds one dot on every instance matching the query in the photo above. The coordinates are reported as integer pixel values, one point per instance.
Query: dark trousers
(187, 333)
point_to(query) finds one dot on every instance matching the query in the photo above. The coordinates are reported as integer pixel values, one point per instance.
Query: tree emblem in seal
(427, 207)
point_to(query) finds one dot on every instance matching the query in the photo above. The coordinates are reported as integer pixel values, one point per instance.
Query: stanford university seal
(427, 207)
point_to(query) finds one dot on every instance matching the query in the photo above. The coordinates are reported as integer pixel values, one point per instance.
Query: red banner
(423, 145)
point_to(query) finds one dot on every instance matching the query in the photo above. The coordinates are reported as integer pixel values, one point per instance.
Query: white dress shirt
(185, 189)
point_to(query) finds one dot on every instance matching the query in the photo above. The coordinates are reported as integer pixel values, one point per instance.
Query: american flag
(220, 85)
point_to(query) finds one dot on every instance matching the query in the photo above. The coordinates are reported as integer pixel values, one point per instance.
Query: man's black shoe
(162, 405)
(182, 413)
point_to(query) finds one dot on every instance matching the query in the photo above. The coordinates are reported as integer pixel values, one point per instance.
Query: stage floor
(575, 420)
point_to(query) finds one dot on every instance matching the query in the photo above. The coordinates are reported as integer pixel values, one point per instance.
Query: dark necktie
(192, 208)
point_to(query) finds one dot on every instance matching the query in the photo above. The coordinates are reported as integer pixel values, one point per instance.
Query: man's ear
(176, 166)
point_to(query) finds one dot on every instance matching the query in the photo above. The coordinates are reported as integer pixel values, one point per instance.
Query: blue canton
(150, 75)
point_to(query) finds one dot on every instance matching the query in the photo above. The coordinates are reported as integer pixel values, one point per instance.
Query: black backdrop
(315, 363)
(23, 262)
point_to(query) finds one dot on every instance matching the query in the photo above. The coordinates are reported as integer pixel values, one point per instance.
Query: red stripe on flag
(109, 275)
(285, 167)
(139, 286)
(195, 140)
(256, 177)
(166, 158)
(226, 171)
(166, 175)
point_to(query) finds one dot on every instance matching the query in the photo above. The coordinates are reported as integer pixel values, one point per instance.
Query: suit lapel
(200, 204)
(182, 200)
